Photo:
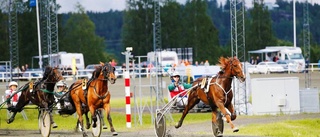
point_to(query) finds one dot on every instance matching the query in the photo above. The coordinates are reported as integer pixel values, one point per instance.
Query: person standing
(11, 95)
(206, 63)
(258, 60)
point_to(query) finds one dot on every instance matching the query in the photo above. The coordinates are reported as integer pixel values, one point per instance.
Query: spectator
(12, 95)
(252, 61)
(206, 63)
(196, 63)
(201, 63)
(16, 71)
(26, 67)
(113, 63)
(258, 60)
(275, 58)
(186, 62)
(23, 69)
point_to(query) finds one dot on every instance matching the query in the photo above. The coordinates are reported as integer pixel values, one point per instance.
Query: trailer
(64, 60)
(284, 53)
(164, 58)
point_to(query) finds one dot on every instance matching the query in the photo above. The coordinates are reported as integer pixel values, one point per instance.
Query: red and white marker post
(127, 90)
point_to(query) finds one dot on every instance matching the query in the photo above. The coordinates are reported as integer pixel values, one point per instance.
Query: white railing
(144, 72)
(291, 68)
(32, 75)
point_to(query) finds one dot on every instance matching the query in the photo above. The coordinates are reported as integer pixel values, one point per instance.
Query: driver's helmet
(60, 83)
(175, 74)
(13, 83)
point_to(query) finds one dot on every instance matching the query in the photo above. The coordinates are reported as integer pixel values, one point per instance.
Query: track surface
(192, 130)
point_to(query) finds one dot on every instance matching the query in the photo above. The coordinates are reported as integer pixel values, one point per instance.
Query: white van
(165, 58)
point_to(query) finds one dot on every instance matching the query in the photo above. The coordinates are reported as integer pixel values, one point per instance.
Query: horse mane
(223, 63)
(97, 71)
(46, 72)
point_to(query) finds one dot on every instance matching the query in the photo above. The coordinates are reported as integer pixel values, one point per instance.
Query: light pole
(39, 38)
(294, 24)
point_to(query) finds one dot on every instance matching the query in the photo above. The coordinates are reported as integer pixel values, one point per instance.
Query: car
(250, 68)
(90, 68)
(289, 65)
(269, 67)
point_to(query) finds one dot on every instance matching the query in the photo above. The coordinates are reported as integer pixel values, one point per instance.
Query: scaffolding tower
(237, 11)
(306, 40)
(49, 28)
(13, 33)
(157, 47)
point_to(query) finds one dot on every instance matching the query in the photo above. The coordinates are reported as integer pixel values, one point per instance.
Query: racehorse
(39, 93)
(96, 97)
(216, 91)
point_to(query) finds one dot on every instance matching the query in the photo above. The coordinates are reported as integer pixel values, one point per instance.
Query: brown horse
(216, 91)
(97, 96)
(39, 93)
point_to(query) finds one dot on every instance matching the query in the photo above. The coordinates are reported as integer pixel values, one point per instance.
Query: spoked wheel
(217, 129)
(160, 125)
(96, 132)
(45, 123)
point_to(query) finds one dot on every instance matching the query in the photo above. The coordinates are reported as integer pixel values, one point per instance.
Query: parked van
(165, 58)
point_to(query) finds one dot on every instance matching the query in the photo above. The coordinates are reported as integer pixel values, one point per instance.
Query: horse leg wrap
(224, 116)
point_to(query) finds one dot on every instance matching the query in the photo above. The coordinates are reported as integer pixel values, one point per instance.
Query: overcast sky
(106, 5)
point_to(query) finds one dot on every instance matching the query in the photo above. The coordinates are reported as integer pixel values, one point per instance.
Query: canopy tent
(264, 51)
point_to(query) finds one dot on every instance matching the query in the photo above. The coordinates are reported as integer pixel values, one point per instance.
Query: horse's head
(108, 72)
(234, 67)
(52, 75)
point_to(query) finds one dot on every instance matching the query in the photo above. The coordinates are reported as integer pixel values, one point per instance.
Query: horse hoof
(235, 129)
(88, 126)
(104, 127)
(54, 125)
(114, 133)
(85, 134)
(176, 126)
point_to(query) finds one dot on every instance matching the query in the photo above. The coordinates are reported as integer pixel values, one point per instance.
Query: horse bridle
(232, 66)
(55, 78)
(106, 69)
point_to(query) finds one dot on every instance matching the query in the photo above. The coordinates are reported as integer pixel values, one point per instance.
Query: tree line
(203, 25)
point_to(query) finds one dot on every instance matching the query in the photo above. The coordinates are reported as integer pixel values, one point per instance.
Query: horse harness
(106, 70)
(206, 82)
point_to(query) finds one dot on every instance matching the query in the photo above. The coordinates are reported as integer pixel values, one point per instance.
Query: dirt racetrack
(190, 130)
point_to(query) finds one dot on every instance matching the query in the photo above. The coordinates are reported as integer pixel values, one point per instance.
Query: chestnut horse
(216, 91)
(97, 96)
(39, 93)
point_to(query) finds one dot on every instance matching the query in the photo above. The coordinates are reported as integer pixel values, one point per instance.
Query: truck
(164, 58)
(64, 59)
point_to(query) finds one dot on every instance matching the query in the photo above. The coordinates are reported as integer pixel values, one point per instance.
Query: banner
(32, 3)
